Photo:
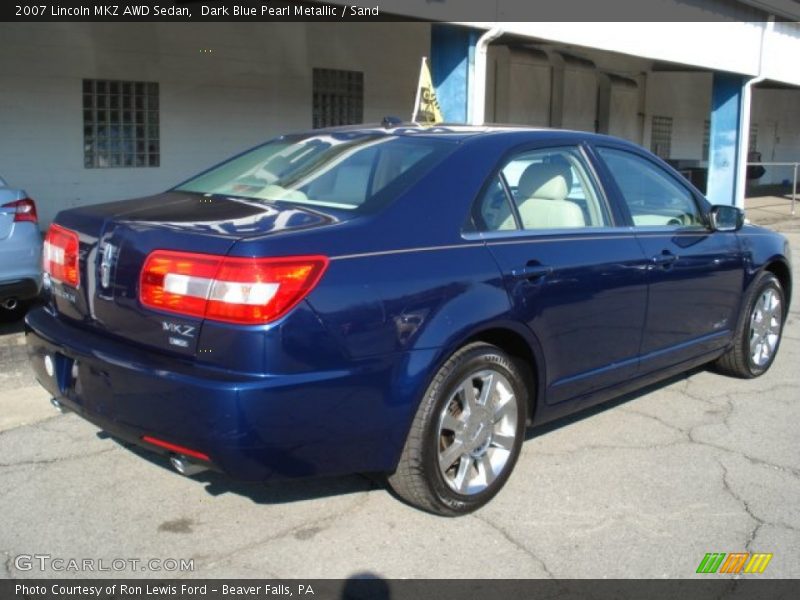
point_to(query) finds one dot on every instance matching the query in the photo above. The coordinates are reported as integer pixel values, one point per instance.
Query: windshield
(338, 170)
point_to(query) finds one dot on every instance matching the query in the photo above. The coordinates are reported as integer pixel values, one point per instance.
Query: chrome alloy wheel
(477, 429)
(765, 326)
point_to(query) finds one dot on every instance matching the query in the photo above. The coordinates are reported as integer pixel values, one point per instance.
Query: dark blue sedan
(402, 300)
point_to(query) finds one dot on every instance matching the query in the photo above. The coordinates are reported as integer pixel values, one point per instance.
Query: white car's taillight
(25, 210)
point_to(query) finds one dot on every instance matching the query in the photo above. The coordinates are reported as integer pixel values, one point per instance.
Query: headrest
(550, 181)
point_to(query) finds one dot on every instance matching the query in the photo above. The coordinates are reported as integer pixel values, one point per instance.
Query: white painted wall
(624, 120)
(725, 46)
(776, 113)
(518, 87)
(686, 97)
(255, 83)
(781, 49)
(580, 99)
(521, 90)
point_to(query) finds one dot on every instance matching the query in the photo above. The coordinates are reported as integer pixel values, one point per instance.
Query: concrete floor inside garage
(643, 488)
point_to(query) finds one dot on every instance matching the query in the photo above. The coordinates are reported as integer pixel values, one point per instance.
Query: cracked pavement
(641, 487)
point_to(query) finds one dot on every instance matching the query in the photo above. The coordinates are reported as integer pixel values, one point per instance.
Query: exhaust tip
(185, 467)
(58, 406)
(9, 303)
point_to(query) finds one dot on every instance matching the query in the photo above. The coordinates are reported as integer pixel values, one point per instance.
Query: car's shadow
(11, 327)
(546, 428)
(281, 491)
(11, 324)
(278, 491)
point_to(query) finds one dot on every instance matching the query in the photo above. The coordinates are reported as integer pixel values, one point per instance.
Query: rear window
(342, 170)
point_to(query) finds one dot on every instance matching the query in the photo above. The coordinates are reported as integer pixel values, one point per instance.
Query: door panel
(695, 289)
(576, 280)
(695, 275)
(584, 296)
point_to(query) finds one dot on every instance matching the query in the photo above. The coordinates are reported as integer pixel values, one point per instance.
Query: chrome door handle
(532, 271)
(665, 259)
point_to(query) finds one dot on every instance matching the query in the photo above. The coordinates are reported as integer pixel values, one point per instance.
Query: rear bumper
(23, 289)
(251, 427)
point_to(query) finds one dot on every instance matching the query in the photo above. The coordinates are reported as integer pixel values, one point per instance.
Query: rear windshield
(339, 170)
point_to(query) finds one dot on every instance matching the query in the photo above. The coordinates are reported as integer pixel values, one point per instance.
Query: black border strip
(399, 10)
(366, 586)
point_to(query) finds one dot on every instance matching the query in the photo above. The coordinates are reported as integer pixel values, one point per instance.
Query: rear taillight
(60, 255)
(25, 210)
(231, 289)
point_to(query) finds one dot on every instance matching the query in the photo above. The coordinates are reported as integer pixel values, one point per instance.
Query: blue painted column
(726, 129)
(452, 60)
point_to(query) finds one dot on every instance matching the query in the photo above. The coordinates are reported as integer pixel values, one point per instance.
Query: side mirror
(724, 217)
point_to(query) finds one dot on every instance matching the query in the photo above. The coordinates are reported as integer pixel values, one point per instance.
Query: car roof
(458, 132)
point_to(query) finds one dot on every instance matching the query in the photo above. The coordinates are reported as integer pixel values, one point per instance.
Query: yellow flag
(426, 106)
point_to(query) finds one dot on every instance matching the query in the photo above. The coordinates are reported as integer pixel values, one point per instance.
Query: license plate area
(62, 369)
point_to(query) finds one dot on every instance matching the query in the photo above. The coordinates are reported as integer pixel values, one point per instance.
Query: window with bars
(661, 136)
(752, 142)
(120, 124)
(338, 97)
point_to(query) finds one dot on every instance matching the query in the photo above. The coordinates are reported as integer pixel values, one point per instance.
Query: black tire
(738, 360)
(418, 478)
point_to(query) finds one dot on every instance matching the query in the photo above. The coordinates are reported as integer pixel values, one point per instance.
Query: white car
(20, 252)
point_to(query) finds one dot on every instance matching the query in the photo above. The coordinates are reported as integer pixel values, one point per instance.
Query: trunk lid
(116, 238)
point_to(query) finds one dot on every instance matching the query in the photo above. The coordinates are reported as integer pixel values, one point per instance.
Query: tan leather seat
(542, 190)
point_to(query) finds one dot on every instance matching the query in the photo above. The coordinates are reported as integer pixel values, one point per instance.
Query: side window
(493, 211)
(552, 189)
(653, 197)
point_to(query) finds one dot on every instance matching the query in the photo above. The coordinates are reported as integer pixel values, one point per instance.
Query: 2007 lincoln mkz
(397, 299)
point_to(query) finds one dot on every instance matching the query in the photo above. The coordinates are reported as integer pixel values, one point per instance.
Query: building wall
(624, 119)
(529, 87)
(686, 97)
(253, 82)
(776, 115)
(781, 45)
(522, 89)
(518, 88)
(719, 45)
(579, 99)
